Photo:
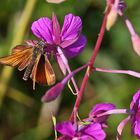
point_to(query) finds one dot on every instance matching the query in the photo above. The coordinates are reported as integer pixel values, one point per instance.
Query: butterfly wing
(42, 71)
(21, 56)
(49, 72)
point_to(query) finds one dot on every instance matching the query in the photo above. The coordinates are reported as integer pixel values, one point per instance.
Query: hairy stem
(89, 69)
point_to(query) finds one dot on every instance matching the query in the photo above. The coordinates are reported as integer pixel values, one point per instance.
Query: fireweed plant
(92, 127)
(68, 42)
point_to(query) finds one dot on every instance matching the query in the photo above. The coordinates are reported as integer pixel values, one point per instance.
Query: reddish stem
(90, 68)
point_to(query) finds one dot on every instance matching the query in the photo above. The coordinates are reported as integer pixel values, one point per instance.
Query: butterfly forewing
(25, 62)
(17, 57)
(20, 48)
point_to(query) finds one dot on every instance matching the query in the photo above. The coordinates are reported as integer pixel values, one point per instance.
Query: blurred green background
(22, 114)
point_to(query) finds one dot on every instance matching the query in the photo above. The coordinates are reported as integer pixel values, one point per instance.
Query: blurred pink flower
(55, 1)
(136, 43)
(134, 36)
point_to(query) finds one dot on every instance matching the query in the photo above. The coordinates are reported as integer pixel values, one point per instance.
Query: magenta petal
(61, 64)
(95, 130)
(56, 29)
(121, 127)
(136, 100)
(136, 129)
(66, 129)
(135, 116)
(71, 28)
(76, 48)
(65, 138)
(67, 43)
(100, 108)
(86, 137)
(42, 28)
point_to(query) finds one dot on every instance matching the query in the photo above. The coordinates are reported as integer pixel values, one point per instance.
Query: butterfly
(32, 57)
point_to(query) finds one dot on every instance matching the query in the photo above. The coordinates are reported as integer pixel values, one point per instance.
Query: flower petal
(135, 117)
(135, 104)
(121, 127)
(136, 43)
(76, 48)
(71, 28)
(136, 96)
(86, 137)
(56, 29)
(66, 129)
(94, 130)
(61, 64)
(136, 129)
(101, 108)
(42, 28)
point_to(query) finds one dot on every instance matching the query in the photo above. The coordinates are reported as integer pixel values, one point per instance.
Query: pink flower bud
(136, 43)
(53, 93)
(55, 1)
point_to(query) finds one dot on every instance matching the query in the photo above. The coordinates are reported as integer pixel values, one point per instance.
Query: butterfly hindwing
(42, 71)
(49, 73)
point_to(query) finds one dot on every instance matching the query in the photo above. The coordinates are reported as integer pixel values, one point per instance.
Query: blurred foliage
(23, 116)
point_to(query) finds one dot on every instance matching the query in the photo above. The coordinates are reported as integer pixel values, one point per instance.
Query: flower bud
(136, 43)
(53, 93)
(55, 1)
(111, 18)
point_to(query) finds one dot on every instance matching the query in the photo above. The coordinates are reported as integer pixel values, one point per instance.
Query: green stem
(18, 38)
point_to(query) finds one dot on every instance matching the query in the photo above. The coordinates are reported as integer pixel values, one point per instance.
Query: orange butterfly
(32, 57)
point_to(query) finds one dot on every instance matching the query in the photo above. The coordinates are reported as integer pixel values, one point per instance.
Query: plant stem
(89, 69)
(20, 30)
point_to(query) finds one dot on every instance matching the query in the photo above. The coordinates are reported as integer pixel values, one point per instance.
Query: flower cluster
(93, 127)
(81, 131)
(90, 128)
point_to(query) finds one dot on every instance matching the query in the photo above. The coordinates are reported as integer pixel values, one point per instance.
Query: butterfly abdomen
(30, 66)
(28, 69)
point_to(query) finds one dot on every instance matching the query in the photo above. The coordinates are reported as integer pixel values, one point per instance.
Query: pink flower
(134, 116)
(92, 131)
(66, 43)
(99, 109)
